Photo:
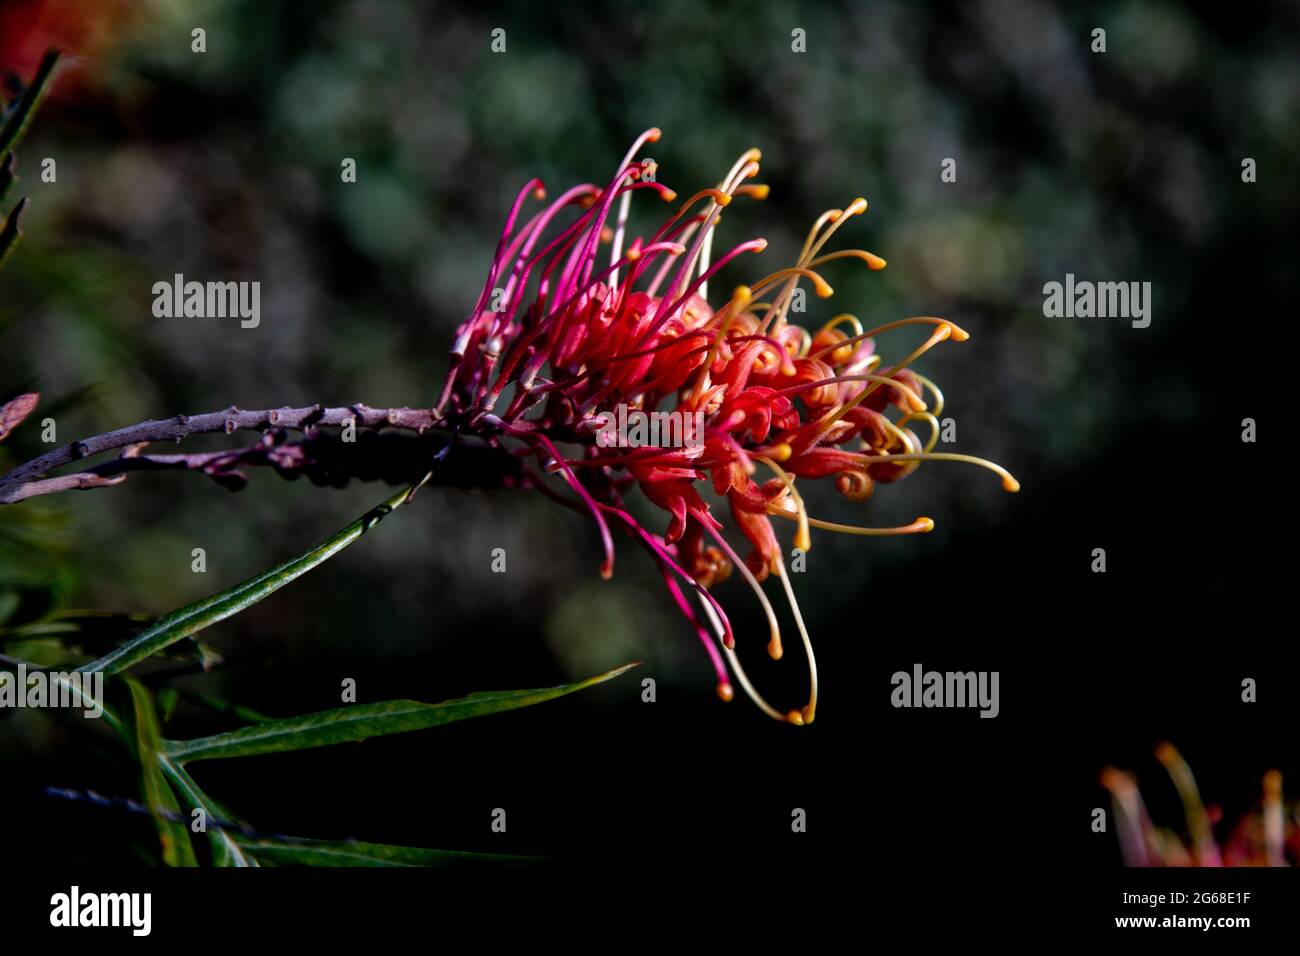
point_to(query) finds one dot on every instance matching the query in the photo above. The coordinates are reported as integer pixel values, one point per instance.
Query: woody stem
(25, 481)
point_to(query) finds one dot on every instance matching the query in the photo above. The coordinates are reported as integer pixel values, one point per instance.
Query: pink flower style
(640, 332)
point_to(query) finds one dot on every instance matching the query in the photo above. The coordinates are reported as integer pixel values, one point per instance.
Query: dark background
(1122, 166)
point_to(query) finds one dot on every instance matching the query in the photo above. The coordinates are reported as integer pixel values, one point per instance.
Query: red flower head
(716, 393)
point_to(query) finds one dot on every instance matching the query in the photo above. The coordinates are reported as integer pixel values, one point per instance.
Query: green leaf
(195, 617)
(286, 852)
(26, 108)
(226, 851)
(12, 132)
(174, 837)
(83, 635)
(347, 724)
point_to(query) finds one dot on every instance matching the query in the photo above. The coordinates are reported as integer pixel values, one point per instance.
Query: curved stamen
(920, 525)
(728, 186)
(725, 690)
(937, 408)
(711, 217)
(740, 298)
(681, 234)
(719, 198)
(917, 402)
(844, 318)
(940, 335)
(774, 649)
(873, 261)
(830, 215)
(734, 661)
(1008, 480)
(802, 539)
(753, 245)
(809, 711)
(958, 333)
(820, 285)
(625, 203)
(930, 419)
(857, 207)
(607, 567)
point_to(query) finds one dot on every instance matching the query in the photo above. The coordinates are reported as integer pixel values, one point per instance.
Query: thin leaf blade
(286, 852)
(22, 116)
(173, 836)
(361, 721)
(193, 618)
(226, 850)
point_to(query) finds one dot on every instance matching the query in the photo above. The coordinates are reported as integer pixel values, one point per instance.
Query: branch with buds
(392, 444)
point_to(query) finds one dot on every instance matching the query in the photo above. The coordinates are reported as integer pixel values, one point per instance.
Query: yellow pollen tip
(742, 294)
(803, 540)
(726, 692)
(781, 452)
(1273, 783)
(760, 244)
(606, 234)
(1011, 485)
(958, 334)
(924, 525)
(633, 255)
(858, 205)
(669, 195)
(652, 134)
(758, 191)
(775, 651)
(722, 199)
(539, 192)
(795, 717)
(874, 262)
(823, 289)
(809, 714)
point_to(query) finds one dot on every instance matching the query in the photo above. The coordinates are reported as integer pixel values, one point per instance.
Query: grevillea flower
(564, 333)
(1269, 835)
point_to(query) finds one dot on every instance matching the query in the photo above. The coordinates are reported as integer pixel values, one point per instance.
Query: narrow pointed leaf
(360, 721)
(286, 852)
(226, 851)
(195, 617)
(22, 115)
(174, 837)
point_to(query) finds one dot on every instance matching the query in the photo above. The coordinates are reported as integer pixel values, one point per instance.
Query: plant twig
(29, 480)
